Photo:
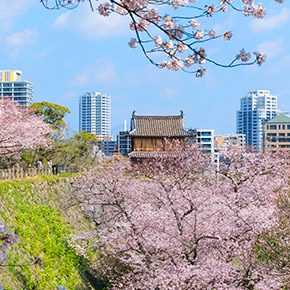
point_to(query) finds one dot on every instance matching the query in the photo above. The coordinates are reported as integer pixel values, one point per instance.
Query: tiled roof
(158, 126)
(279, 119)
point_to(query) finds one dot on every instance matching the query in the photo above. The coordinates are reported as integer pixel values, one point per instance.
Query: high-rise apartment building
(95, 114)
(12, 87)
(256, 108)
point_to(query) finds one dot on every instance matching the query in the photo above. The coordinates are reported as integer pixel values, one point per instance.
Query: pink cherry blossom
(198, 34)
(227, 35)
(260, 57)
(211, 33)
(258, 11)
(195, 24)
(176, 222)
(181, 47)
(210, 10)
(20, 129)
(158, 40)
(104, 9)
(174, 21)
(168, 23)
(223, 8)
(243, 56)
(189, 61)
(133, 43)
(176, 63)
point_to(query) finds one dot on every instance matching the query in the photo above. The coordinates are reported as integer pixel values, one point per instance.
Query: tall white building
(256, 108)
(12, 87)
(95, 114)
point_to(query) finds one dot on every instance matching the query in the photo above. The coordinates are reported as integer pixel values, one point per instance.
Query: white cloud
(11, 10)
(102, 71)
(228, 24)
(271, 48)
(168, 93)
(271, 22)
(91, 25)
(20, 40)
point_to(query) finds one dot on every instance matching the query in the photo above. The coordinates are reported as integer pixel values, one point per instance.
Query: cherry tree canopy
(176, 223)
(19, 129)
(171, 33)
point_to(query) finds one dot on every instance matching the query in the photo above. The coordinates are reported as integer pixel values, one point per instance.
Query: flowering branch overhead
(179, 37)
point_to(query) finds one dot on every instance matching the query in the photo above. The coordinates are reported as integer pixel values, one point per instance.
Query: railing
(18, 172)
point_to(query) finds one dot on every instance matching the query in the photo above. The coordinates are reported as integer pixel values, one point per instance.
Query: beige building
(277, 133)
(224, 140)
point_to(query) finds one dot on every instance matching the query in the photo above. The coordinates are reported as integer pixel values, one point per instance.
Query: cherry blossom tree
(19, 129)
(175, 34)
(273, 246)
(174, 222)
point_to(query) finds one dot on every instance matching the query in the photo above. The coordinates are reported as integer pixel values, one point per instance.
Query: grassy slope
(37, 210)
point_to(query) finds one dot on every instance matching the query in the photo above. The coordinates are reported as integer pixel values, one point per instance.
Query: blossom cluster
(174, 222)
(20, 129)
(180, 32)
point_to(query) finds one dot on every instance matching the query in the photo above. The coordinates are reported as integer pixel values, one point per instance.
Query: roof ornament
(133, 114)
(181, 113)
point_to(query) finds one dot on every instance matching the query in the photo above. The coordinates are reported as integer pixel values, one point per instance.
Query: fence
(18, 172)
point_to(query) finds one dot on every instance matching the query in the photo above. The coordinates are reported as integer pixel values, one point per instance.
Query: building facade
(255, 109)
(95, 114)
(12, 87)
(107, 147)
(224, 140)
(277, 134)
(204, 137)
(124, 143)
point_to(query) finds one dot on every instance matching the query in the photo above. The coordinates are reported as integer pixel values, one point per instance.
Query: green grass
(38, 211)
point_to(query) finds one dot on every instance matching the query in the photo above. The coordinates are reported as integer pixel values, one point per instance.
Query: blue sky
(67, 53)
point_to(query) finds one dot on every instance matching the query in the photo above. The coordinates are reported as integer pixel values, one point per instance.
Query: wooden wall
(150, 144)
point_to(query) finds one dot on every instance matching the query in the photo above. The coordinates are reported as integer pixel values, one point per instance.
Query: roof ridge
(158, 116)
(281, 118)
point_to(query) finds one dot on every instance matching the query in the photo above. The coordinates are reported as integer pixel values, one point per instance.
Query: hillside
(39, 211)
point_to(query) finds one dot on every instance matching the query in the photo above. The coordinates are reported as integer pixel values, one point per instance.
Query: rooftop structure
(277, 134)
(149, 133)
(12, 87)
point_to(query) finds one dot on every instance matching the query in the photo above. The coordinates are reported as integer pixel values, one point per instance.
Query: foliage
(37, 213)
(51, 113)
(20, 130)
(78, 150)
(177, 29)
(44, 234)
(85, 137)
(173, 222)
